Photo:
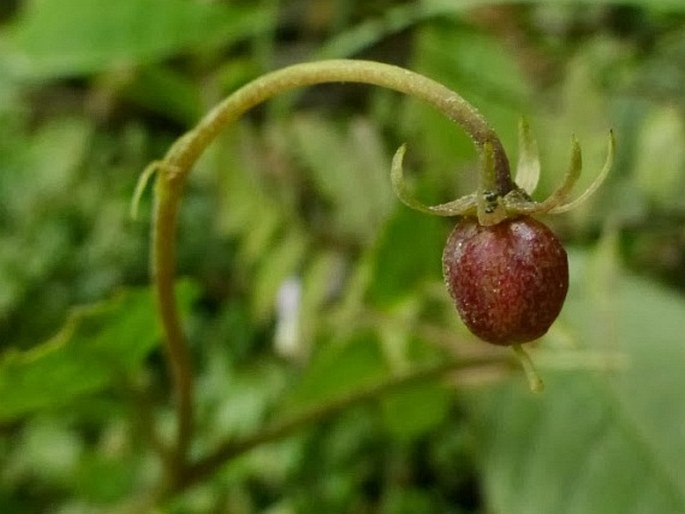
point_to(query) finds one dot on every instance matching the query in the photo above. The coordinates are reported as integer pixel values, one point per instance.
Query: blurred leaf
(609, 442)
(408, 253)
(670, 5)
(38, 176)
(370, 32)
(96, 347)
(321, 280)
(233, 73)
(409, 500)
(350, 170)
(51, 164)
(104, 480)
(237, 399)
(282, 261)
(481, 68)
(475, 62)
(339, 368)
(246, 209)
(169, 93)
(396, 19)
(48, 448)
(413, 411)
(54, 38)
(661, 180)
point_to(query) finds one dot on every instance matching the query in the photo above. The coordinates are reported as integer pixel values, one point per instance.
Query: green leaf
(609, 441)
(413, 411)
(166, 92)
(339, 368)
(408, 253)
(96, 347)
(350, 170)
(282, 262)
(104, 480)
(369, 32)
(661, 134)
(666, 5)
(52, 163)
(56, 38)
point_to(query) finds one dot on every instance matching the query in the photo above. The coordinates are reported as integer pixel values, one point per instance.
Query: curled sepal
(463, 206)
(562, 192)
(608, 163)
(528, 166)
(460, 206)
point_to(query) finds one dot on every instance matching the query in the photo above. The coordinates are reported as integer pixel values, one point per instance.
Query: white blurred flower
(288, 340)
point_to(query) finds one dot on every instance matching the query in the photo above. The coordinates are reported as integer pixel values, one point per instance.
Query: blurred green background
(304, 278)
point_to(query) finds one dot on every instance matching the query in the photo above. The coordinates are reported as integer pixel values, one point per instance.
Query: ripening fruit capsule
(508, 280)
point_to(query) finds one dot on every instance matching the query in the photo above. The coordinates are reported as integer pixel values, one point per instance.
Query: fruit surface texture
(508, 280)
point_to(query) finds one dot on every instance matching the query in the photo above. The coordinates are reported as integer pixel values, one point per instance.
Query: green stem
(175, 167)
(167, 199)
(534, 381)
(186, 151)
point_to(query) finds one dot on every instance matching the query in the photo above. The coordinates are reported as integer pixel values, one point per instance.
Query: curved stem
(167, 198)
(175, 167)
(534, 381)
(184, 153)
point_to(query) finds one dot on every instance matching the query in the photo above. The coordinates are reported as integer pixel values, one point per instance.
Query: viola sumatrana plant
(506, 272)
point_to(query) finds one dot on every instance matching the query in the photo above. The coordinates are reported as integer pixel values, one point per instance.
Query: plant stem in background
(233, 448)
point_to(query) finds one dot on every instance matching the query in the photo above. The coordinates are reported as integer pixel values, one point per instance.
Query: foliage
(294, 202)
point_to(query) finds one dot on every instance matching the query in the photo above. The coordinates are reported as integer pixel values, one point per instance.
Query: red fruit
(508, 280)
